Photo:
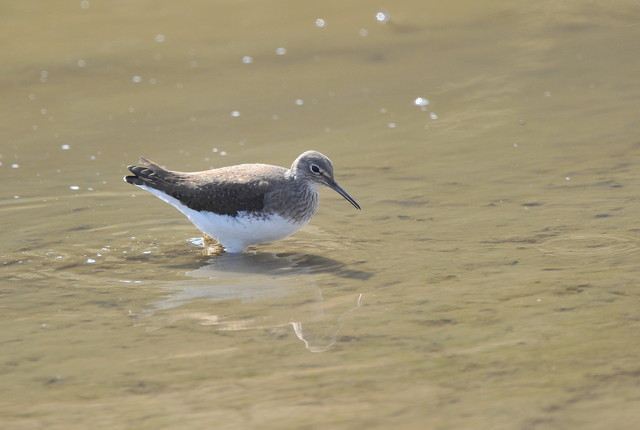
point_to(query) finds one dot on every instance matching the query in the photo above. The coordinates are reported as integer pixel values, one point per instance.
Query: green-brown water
(490, 282)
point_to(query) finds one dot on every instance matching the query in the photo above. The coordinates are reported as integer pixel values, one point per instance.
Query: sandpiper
(246, 204)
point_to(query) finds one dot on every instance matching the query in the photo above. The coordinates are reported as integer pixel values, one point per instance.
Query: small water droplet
(81, 63)
(421, 101)
(136, 79)
(235, 113)
(90, 260)
(281, 51)
(320, 22)
(247, 60)
(159, 38)
(382, 16)
(74, 187)
(299, 102)
(364, 32)
(433, 115)
(392, 125)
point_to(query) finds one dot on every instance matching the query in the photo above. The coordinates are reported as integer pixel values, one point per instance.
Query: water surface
(490, 281)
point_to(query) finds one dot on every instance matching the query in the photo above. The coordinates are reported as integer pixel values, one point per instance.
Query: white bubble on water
(382, 16)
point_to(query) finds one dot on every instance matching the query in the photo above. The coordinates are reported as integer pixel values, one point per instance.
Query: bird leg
(211, 246)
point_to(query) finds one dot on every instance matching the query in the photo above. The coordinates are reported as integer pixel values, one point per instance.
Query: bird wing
(225, 191)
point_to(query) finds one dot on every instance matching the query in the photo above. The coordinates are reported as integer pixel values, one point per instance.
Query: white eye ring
(315, 169)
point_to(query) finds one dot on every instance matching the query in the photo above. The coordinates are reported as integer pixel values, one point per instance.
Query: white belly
(234, 233)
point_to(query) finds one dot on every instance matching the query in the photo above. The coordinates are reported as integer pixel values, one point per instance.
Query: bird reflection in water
(265, 291)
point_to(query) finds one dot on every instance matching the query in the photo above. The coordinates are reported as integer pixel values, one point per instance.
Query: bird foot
(211, 246)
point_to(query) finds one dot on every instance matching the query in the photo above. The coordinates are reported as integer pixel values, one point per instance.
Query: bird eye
(315, 169)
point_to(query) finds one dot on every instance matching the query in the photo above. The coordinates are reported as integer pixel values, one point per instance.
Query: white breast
(234, 233)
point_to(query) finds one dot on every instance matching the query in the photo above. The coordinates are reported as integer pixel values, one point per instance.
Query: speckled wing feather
(225, 191)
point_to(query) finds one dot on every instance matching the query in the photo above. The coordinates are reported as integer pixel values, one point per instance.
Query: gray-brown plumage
(244, 192)
(224, 191)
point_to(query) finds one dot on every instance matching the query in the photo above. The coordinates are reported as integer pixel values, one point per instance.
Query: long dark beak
(334, 186)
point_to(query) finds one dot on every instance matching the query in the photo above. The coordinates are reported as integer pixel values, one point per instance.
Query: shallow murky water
(490, 282)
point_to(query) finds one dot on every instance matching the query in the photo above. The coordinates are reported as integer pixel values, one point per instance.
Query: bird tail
(148, 175)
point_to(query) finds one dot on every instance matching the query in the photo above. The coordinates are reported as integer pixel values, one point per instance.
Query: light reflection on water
(490, 281)
(287, 285)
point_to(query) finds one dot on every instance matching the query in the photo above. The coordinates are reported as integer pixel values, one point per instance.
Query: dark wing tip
(133, 180)
(139, 172)
(151, 175)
